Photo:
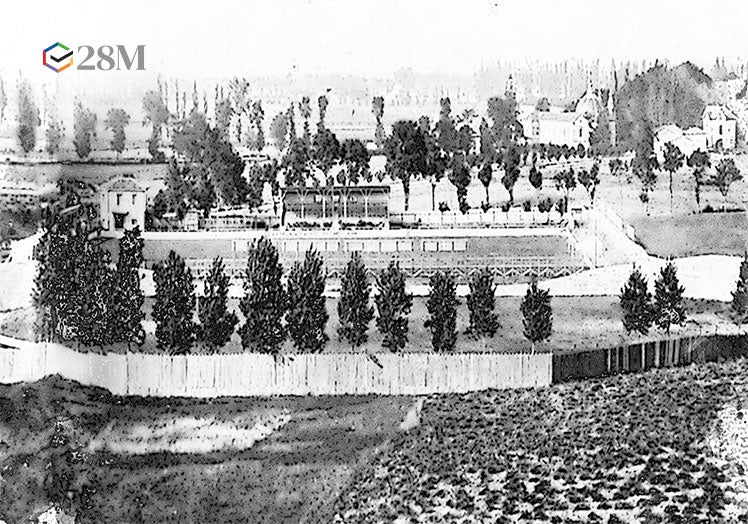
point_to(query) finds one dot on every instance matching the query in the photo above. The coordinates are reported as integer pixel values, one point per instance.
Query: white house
(720, 126)
(561, 128)
(687, 141)
(122, 205)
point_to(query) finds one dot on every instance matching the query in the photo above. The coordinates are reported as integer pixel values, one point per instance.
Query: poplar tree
(307, 315)
(128, 298)
(354, 311)
(174, 305)
(740, 295)
(393, 306)
(217, 323)
(483, 320)
(442, 307)
(668, 308)
(537, 314)
(636, 303)
(264, 301)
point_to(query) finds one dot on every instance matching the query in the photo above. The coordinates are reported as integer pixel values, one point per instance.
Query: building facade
(326, 205)
(122, 206)
(721, 128)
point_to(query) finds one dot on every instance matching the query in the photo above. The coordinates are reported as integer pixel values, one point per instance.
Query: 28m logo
(59, 57)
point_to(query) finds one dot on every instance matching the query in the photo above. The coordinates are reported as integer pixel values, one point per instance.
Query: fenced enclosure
(647, 355)
(251, 374)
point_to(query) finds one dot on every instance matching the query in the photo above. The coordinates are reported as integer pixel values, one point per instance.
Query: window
(318, 199)
(119, 198)
(355, 246)
(119, 220)
(353, 199)
(133, 199)
(389, 245)
(430, 245)
(720, 129)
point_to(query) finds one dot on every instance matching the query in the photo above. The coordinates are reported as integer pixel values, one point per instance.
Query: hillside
(661, 96)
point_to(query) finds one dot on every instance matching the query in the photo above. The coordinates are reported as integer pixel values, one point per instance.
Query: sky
(374, 38)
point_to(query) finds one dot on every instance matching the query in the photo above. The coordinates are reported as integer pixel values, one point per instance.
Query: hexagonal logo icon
(57, 57)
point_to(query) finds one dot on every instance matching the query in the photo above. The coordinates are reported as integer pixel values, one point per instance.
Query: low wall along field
(251, 374)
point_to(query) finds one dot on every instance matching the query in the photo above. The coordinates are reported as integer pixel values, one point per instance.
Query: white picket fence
(251, 374)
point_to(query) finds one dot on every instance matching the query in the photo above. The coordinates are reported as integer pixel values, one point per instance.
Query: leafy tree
(307, 315)
(644, 165)
(481, 300)
(174, 305)
(224, 113)
(279, 131)
(96, 279)
(158, 115)
(673, 161)
(3, 100)
(436, 159)
(128, 298)
(636, 303)
(725, 174)
(565, 180)
(446, 131)
(740, 295)
(27, 117)
(406, 154)
(377, 107)
(295, 163)
(305, 109)
(265, 300)
(668, 308)
(590, 179)
(355, 158)
(84, 129)
(354, 311)
(326, 151)
(116, 120)
(485, 175)
(442, 307)
(460, 177)
(536, 178)
(699, 162)
(505, 128)
(256, 116)
(511, 170)
(393, 306)
(537, 314)
(217, 323)
(53, 136)
(322, 104)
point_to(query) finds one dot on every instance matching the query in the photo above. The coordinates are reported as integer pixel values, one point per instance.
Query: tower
(612, 119)
(510, 92)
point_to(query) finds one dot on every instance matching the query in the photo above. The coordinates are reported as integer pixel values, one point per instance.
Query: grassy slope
(292, 476)
(704, 234)
(580, 323)
(629, 446)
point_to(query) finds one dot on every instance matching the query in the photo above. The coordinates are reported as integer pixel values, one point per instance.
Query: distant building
(564, 128)
(122, 205)
(720, 126)
(369, 203)
(18, 196)
(688, 141)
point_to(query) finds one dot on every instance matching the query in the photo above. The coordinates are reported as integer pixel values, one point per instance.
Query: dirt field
(703, 234)
(55, 434)
(663, 446)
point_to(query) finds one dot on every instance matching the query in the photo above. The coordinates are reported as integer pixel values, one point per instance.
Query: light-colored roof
(717, 112)
(122, 184)
(556, 117)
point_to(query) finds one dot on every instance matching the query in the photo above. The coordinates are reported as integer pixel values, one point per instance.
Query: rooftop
(122, 184)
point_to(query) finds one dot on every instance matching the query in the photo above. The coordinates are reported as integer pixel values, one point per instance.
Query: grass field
(580, 323)
(664, 446)
(688, 235)
(56, 436)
